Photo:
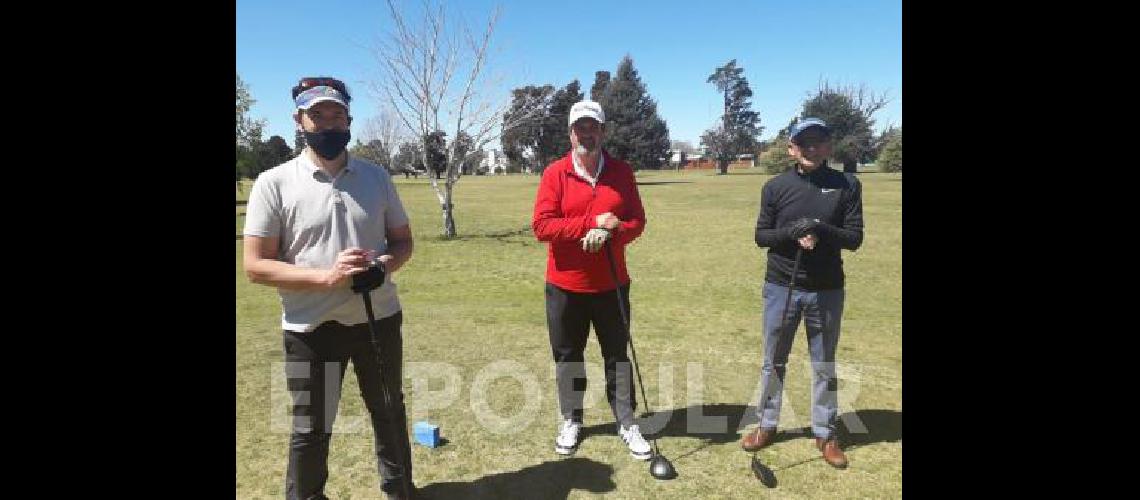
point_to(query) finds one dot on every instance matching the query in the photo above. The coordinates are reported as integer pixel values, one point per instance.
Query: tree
(890, 159)
(244, 164)
(554, 141)
(277, 151)
(848, 112)
(883, 138)
(545, 137)
(520, 142)
(247, 135)
(601, 82)
(715, 142)
(435, 153)
(472, 159)
(635, 132)
(264, 155)
(374, 151)
(775, 159)
(382, 134)
(244, 102)
(740, 125)
(409, 158)
(251, 152)
(433, 79)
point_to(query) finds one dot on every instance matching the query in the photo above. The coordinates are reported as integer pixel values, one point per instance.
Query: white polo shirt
(315, 218)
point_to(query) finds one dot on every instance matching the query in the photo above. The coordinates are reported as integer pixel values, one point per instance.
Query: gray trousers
(821, 311)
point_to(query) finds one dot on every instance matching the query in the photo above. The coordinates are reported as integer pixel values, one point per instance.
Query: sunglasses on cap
(317, 81)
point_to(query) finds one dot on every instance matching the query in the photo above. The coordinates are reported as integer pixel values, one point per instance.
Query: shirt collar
(314, 170)
(581, 171)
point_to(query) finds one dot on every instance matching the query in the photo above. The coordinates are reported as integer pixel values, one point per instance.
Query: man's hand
(808, 242)
(607, 221)
(594, 240)
(348, 262)
(803, 227)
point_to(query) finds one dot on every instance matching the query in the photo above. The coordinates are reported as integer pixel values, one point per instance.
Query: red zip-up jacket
(566, 207)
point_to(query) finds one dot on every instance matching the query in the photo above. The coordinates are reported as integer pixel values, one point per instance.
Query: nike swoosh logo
(826, 190)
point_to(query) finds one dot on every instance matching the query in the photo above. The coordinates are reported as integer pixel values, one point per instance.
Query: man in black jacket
(816, 211)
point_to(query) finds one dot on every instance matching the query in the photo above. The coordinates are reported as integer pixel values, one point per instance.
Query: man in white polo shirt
(311, 224)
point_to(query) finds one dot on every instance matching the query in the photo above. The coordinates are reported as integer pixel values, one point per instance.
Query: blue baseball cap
(320, 93)
(805, 124)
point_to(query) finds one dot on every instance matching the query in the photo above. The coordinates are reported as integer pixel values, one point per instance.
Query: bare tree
(386, 128)
(848, 111)
(433, 77)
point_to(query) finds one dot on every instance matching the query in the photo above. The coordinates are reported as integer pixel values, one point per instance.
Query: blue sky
(785, 47)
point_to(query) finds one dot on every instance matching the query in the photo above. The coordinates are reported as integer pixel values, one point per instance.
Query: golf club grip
(628, 333)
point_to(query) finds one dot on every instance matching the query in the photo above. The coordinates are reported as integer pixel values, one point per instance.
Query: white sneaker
(638, 446)
(567, 441)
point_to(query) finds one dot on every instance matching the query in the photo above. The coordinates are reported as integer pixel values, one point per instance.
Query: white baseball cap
(586, 109)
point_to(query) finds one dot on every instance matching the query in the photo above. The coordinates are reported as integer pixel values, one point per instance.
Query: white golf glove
(594, 239)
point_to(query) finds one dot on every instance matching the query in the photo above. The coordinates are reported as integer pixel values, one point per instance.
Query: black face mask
(329, 143)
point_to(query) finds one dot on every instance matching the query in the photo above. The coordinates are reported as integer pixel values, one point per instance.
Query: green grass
(697, 276)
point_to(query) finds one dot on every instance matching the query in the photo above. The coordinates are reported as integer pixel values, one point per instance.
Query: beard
(586, 147)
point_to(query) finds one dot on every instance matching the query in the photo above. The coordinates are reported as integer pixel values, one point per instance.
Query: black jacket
(833, 197)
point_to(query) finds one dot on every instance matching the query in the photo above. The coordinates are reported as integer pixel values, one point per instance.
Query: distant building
(494, 162)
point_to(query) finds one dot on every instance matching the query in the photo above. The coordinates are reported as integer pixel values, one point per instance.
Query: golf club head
(763, 473)
(661, 468)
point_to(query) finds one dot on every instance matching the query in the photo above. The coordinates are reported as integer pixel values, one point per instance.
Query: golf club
(659, 466)
(761, 471)
(363, 283)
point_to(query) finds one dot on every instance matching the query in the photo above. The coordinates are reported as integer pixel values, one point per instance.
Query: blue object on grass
(426, 434)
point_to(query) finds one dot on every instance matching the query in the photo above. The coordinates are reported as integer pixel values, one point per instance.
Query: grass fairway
(474, 310)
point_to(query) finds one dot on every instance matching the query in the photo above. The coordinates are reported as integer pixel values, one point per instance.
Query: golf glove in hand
(802, 227)
(594, 239)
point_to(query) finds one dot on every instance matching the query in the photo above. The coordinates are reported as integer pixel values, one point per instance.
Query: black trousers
(315, 367)
(568, 319)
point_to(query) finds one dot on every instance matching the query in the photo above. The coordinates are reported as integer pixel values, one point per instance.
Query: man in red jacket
(586, 200)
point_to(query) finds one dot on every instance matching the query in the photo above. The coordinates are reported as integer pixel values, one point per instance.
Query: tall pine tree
(635, 133)
(555, 141)
(740, 125)
(601, 80)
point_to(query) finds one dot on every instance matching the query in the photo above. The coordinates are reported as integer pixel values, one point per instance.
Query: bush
(890, 159)
(776, 159)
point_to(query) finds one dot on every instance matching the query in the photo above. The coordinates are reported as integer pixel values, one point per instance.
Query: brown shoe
(831, 453)
(757, 439)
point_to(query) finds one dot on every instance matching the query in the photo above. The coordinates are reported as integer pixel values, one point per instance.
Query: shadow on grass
(858, 429)
(502, 236)
(718, 424)
(549, 480)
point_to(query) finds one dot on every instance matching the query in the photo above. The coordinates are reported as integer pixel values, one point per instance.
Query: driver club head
(661, 468)
(763, 473)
